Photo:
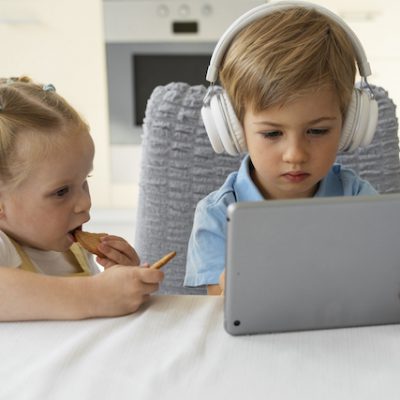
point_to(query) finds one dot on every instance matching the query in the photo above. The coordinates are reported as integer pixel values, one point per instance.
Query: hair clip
(10, 80)
(48, 87)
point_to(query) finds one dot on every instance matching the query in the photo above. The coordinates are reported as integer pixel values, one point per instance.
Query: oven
(151, 43)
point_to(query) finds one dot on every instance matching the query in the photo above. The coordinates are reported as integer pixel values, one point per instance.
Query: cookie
(89, 241)
(162, 261)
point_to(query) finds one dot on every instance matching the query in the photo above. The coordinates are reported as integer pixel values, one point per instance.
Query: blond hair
(283, 55)
(27, 110)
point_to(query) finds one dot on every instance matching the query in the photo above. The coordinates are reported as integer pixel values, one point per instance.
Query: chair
(379, 163)
(179, 167)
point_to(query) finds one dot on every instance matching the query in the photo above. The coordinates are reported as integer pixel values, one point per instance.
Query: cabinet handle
(19, 21)
(362, 16)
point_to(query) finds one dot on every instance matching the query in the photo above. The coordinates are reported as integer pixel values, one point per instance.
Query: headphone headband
(266, 9)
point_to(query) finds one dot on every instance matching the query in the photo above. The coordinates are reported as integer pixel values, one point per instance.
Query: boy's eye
(271, 134)
(318, 132)
(62, 192)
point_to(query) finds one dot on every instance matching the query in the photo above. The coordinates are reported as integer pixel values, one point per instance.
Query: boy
(289, 75)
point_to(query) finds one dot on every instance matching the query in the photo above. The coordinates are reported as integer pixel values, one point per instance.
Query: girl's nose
(84, 202)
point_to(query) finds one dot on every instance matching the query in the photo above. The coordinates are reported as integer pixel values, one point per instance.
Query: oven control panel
(171, 20)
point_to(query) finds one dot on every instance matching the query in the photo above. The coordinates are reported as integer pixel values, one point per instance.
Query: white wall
(376, 24)
(61, 41)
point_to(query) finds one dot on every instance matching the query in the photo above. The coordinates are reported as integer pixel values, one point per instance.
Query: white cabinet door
(61, 41)
(376, 24)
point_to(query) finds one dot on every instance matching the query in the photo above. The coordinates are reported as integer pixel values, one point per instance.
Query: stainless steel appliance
(150, 43)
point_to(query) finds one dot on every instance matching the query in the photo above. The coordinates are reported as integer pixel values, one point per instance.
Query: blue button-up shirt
(206, 248)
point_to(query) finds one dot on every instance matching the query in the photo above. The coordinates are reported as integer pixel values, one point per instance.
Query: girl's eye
(318, 132)
(272, 134)
(62, 192)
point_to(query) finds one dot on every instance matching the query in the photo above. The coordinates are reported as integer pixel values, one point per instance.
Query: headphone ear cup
(360, 122)
(222, 125)
(211, 129)
(235, 128)
(219, 116)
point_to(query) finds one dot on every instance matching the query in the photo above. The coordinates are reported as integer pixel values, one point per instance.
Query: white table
(176, 348)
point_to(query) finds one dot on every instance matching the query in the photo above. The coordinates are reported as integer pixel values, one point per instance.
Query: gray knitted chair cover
(179, 167)
(379, 163)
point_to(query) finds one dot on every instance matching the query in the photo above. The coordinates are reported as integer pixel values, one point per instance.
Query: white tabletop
(176, 348)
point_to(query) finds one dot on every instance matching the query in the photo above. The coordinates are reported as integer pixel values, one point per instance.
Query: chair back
(179, 167)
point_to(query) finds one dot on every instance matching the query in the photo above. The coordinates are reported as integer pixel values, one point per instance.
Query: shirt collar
(246, 190)
(244, 186)
(331, 184)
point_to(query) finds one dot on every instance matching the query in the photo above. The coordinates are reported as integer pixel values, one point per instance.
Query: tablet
(312, 264)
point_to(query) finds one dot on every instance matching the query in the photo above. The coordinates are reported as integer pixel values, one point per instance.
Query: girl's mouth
(72, 232)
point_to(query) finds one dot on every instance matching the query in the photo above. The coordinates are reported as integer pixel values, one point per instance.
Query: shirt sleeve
(206, 248)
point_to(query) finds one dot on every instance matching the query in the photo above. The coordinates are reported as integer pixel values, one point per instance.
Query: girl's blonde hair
(27, 110)
(283, 55)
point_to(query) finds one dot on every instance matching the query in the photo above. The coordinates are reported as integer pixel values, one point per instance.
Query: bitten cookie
(89, 241)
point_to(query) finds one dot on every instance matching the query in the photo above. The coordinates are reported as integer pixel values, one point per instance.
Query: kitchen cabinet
(376, 24)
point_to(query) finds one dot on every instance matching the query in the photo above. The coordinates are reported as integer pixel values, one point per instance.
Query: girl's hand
(120, 290)
(117, 251)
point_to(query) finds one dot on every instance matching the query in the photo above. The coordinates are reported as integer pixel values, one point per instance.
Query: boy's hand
(217, 289)
(117, 251)
(222, 282)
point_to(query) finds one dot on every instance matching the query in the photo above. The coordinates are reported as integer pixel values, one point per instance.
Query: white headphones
(224, 128)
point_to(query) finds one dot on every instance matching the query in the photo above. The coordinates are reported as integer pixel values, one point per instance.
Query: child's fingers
(119, 251)
(105, 262)
(117, 257)
(151, 276)
(119, 244)
(112, 237)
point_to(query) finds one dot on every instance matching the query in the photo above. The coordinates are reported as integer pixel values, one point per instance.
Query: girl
(46, 155)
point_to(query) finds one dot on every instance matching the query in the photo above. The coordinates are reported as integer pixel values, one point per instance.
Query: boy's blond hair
(283, 55)
(28, 111)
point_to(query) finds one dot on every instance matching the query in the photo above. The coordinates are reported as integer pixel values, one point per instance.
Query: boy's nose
(295, 152)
